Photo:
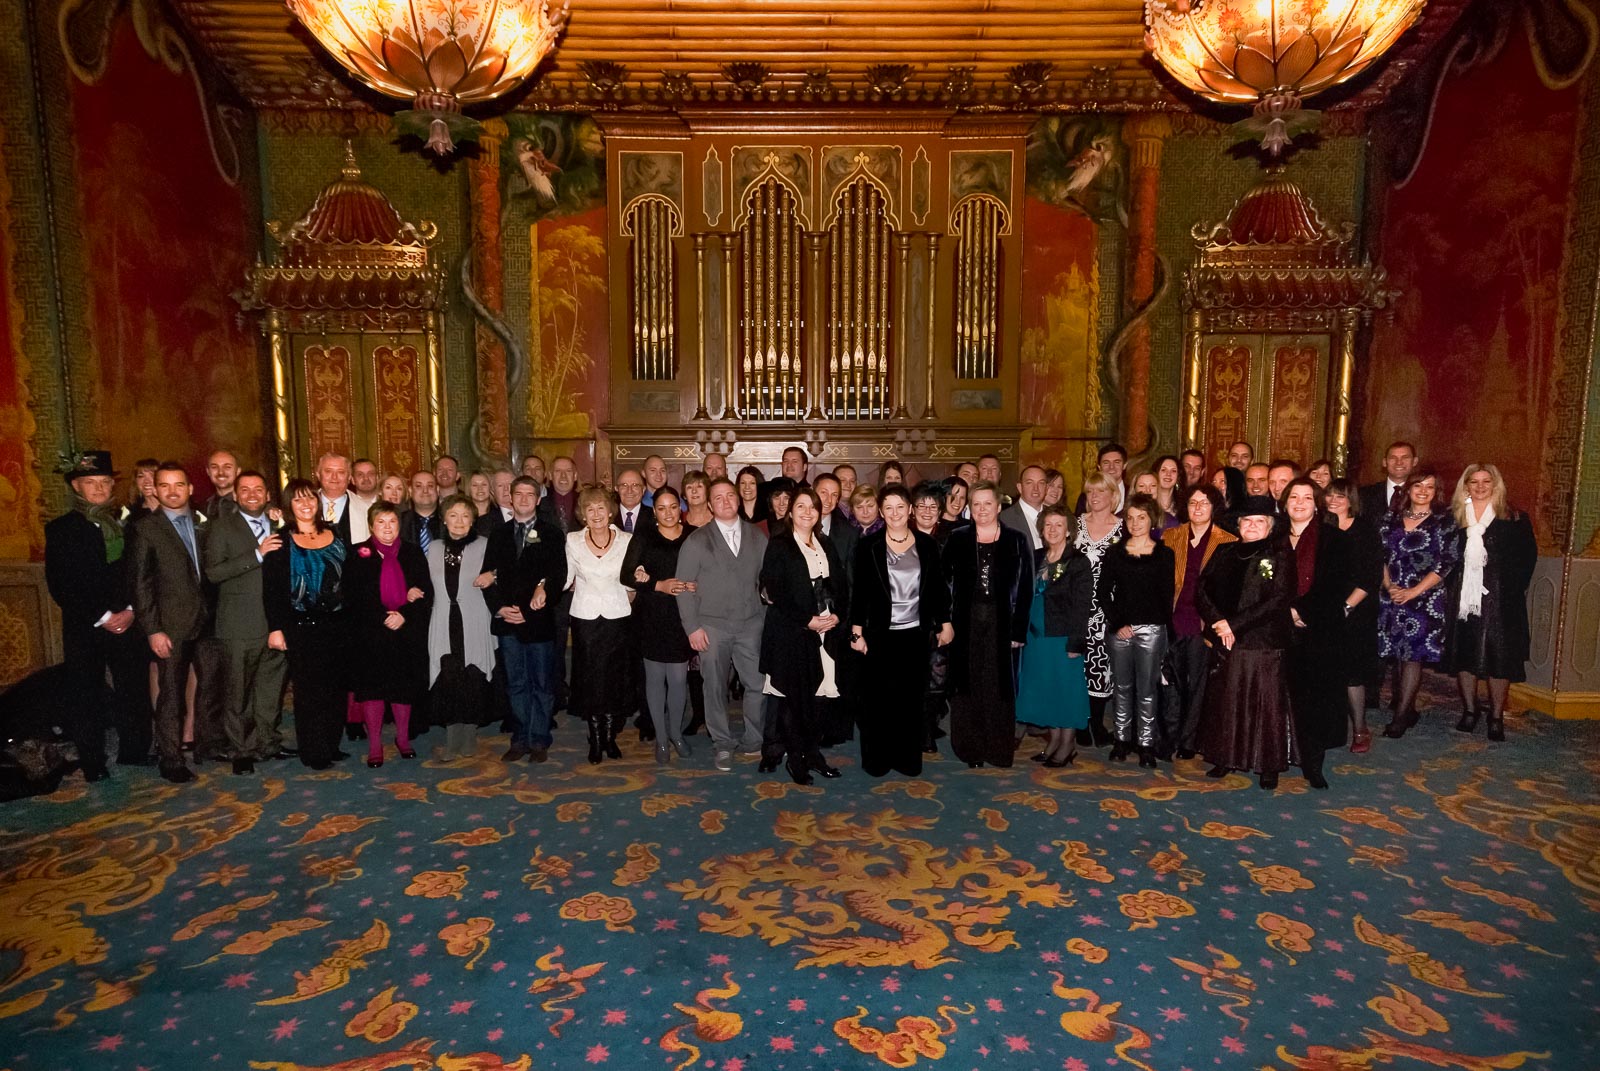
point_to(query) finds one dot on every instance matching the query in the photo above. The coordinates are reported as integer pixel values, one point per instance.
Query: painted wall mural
(1474, 243)
(1070, 187)
(555, 250)
(21, 527)
(167, 238)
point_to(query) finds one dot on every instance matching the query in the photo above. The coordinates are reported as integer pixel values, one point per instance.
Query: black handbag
(822, 591)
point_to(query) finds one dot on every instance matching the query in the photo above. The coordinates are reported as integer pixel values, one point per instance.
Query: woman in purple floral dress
(1420, 551)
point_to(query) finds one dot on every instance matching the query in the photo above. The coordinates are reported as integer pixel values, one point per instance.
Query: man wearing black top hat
(87, 572)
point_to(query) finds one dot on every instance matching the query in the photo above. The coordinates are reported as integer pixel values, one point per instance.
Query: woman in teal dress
(1052, 691)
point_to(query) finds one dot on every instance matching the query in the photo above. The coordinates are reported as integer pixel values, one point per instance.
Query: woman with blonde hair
(1098, 530)
(604, 683)
(1486, 637)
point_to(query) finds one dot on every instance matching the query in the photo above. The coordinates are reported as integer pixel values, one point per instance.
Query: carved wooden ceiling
(1046, 54)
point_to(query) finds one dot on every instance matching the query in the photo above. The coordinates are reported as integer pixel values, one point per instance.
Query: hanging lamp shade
(1272, 53)
(440, 54)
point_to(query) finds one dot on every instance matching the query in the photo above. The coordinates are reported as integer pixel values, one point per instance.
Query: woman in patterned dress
(1098, 529)
(1420, 551)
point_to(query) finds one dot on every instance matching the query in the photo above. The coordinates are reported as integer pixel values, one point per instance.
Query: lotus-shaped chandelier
(439, 54)
(1272, 53)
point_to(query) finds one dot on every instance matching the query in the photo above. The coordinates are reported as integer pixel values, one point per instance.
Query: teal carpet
(1438, 908)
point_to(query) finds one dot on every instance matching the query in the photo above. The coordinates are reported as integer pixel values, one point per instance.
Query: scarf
(1474, 561)
(107, 518)
(1305, 559)
(391, 578)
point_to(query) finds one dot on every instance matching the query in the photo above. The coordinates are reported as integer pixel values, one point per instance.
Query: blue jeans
(530, 684)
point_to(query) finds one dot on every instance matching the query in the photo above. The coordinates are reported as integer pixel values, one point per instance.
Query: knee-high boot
(612, 729)
(596, 735)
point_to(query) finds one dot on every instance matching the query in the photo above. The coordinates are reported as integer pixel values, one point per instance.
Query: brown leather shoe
(514, 754)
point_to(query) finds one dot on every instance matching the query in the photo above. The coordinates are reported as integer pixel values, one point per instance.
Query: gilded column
(1145, 136)
(930, 410)
(1344, 375)
(488, 279)
(701, 412)
(1194, 360)
(902, 322)
(730, 330)
(283, 430)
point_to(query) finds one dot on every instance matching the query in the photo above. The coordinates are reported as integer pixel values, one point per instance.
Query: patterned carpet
(1439, 908)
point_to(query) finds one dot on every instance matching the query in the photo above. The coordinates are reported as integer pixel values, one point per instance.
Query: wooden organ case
(1272, 305)
(851, 285)
(351, 310)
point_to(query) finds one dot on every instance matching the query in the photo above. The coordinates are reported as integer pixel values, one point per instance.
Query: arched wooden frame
(652, 222)
(860, 236)
(772, 375)
(978, 221)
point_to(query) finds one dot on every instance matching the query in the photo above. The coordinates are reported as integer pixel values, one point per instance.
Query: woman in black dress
(302, 587)
(803, 583)
(900, 608)
(1486, 635)
(1316, 645)
(1244, 599)
(990, 567)
(650, 567)
(390, 598)
(927, 511)
(1364, 554)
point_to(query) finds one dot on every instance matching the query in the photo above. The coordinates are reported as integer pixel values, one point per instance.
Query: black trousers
(561, 615)
(319, 652)
(1183, 699)
(89, 653)
(983, 717)
(896, 675)
(794, 727)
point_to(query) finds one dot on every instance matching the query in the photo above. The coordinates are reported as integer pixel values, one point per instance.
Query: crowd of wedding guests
(1247, 614)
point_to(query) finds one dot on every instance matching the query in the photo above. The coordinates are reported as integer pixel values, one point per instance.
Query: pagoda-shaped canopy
(1274, 252)
(350, 262)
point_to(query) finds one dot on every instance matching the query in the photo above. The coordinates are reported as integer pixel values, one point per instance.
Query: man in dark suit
(421, 524)
(723, 615)
(85, 567)
(989, 469)
(169, 602)
(1023, 514)
(252, 673)
(559, 508)
(223, 470)
(333, 500)
(632, 513)
(794, 466)
(528, 557)
(834, 524)
(1399, 461)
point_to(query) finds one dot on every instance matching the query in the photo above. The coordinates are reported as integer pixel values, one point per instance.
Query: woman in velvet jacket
(1317, 653)
(804, 639)
(990, 567)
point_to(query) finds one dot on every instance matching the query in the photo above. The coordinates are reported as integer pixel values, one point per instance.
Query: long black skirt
(603, 675)
(983, 718)
(1249, 724)
(896, 674)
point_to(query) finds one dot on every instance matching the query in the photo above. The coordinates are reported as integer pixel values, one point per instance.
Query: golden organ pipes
(652, 221)
(772, 368)
(859, 312)
(978, 223)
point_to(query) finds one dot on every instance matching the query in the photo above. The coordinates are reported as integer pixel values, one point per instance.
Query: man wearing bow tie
(169, 603)
(252, 672)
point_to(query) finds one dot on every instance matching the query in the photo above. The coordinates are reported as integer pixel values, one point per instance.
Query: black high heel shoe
(1056, 764)
(820, 765)
(1119, 751)
(767, 765)
(1469, 719)
(1217, 772)
(1269, 781)
(594, 743)
(1147, 758)
(1401, 723)
(798, 772)
(1497, 727)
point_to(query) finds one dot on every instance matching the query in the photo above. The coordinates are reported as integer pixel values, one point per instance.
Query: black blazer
(387, 663)
(1069, 599)
(871, 603)
(411, 520)
(1013, 577)
(644, 517)
(790, 652)
(81, 581)
(1374, 498)
(517, 574)
(844, 537)
(168, 595)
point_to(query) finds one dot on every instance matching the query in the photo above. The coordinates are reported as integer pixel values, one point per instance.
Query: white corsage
(532, 537)
(1264, 567)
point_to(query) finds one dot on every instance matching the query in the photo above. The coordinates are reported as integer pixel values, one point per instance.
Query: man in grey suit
(1023, 514)
(252, 672)
(169, 604)
(723, 615)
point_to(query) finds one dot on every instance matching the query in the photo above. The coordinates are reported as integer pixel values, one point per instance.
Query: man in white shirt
(333, 499)
(364, 480)
(723, 616)
(1399, 461)
(1023, 514)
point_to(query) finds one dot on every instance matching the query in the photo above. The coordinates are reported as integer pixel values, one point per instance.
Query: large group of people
(1245, 614)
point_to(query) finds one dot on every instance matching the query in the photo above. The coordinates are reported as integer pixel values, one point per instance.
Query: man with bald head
(715, 466)
(223, 469)
(655, 478)
(1241, 455)
(1255, 478)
